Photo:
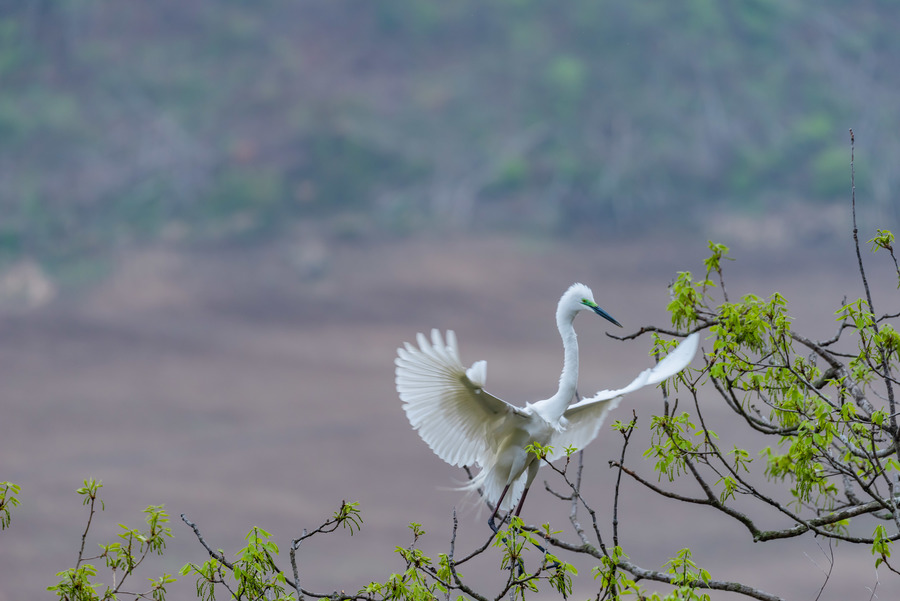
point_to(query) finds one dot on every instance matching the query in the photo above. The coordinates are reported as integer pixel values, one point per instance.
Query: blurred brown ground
(235, 388)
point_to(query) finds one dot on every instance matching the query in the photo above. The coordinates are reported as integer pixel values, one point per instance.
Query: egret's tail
(488, 485)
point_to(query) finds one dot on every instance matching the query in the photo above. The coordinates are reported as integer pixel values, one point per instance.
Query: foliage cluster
(8, 499)
(121, 558)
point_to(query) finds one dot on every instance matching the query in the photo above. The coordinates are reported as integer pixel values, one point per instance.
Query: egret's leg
(532, 472)
(497, 508)
(493, 526)
(521, 502)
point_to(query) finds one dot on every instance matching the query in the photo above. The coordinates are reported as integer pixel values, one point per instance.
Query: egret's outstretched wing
(447, 403)
(586, 417)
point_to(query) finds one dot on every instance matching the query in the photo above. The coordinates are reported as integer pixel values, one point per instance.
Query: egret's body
(465, 425)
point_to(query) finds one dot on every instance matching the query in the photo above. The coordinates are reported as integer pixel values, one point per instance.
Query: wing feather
(586, 417)
(446, 403)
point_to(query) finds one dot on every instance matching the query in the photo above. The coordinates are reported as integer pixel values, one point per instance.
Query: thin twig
(85, 533)
(294, 546)
(862, 273)
(827, 572)
(214, 554)
(573, 512)
(701, 324)
(615, 522)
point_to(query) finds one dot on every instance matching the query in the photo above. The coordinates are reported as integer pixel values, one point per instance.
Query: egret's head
(580, 298)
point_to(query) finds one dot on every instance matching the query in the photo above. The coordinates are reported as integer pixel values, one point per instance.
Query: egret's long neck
(555, 406)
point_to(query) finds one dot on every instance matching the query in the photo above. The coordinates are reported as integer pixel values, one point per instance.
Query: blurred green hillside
(125, 121)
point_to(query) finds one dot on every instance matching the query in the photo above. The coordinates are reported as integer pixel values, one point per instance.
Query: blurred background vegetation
(233, 121)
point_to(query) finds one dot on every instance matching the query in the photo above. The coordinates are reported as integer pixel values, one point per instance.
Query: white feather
(465, 425)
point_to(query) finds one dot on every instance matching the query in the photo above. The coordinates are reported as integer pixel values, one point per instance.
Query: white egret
(465, 425)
